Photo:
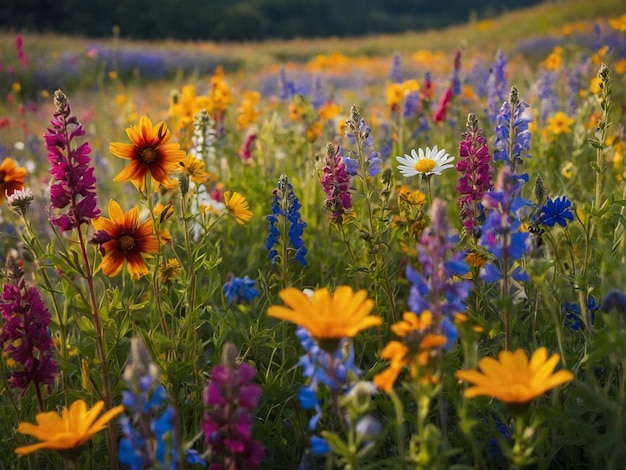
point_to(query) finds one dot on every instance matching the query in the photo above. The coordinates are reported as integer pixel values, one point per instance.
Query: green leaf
(336, 443)
(86, 326)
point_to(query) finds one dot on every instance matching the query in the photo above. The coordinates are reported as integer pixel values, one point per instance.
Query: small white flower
(428, 162)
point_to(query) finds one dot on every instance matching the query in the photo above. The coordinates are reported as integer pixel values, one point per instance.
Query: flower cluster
(502, 234)
(25, 335)
(497, 86)
(230, 397)
(512, 135)
(436, 288)
(285, 213)
(475, 181)
(414, 353)
(74, 180)
(148, 423)
(359, 134)
(336, 185)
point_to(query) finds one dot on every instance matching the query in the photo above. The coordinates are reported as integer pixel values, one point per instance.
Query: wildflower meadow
(327, 257)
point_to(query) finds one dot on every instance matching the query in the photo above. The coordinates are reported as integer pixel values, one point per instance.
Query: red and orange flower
(122, 238)
(11, 178)
(150, 152)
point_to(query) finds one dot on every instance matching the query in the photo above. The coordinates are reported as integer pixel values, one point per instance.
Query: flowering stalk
(25, 335)
(286, 228)
(74, 186)
(475, 180)
(504, 240)
(230, 397)
(148, 425)
(368, 167)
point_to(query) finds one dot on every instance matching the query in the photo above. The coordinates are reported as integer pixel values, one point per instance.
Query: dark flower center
(2, 175)
(127, 242)
(148, 155)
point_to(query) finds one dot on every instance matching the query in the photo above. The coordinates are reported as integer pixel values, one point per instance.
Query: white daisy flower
(428, 162)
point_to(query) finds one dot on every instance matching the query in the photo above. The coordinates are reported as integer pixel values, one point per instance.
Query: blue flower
(573, 315)
(614, 299)
(285, 206)
(239, 290)
(556, 211)
(319, 446)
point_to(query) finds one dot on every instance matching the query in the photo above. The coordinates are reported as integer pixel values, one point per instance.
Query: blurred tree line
(222, 20)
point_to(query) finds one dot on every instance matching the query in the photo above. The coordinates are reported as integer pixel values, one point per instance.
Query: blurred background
(243, 20)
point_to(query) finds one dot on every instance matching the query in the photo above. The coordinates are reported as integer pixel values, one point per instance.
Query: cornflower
(149, 439)
(25, 336)
(497, 86)
(556, 211)
(74, 182)
(336, 185)
(238, 290)
(512, 135)
(435, 288)
(475, 181)
(230, 397)
(285, 213)
(574, 317)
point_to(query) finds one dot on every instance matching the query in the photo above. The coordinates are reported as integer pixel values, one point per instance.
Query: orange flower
(512, 378)
(70, 430)
(123, 239)
(149, 152)
(11, 178)
(327, 317)
(414, 354)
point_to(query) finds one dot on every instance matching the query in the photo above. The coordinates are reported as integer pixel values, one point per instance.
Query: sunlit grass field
(396, 251)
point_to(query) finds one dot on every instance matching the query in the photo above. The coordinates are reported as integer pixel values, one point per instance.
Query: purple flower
(435, 287)
(74, 182)
(25, 336)
(501, 231)
(230, 397)
(336, 185)
(497, 86)
(512, 134)
(395, 72)
(148, 432)
(475, 181)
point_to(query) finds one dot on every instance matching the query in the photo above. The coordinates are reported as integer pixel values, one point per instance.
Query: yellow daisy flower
(513, 379)
(327, 317)
(69, 430)
(238, 207)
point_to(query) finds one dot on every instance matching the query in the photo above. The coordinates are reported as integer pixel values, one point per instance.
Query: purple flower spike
(74, 182)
